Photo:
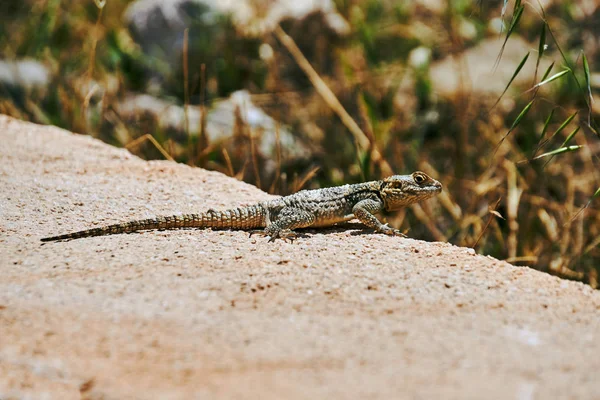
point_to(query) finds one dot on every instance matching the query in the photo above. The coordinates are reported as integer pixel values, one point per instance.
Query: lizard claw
(285, 234)
(257, 232)
(391, 231)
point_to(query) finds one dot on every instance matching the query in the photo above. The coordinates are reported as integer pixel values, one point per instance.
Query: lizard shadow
(354, 229)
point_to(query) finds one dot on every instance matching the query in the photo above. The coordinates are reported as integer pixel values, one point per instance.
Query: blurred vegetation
(521, 176)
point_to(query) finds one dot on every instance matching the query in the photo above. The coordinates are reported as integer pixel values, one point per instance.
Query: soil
(184, 314)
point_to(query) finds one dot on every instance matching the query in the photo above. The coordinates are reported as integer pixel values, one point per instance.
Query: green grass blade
(591, 122)
(558, 151)
(568, 139)
(542, 44)
(541, 50)
(586, 71)
(515, 20)
(521, 64)
(563, 125)
(548, 71)
(516, 122)
(521, 115)
(596, 194)
(547, 123)
(544, 130)
(503, 12)
(553, 78)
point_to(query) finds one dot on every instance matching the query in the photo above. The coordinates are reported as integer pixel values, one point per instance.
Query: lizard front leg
(289, 218)
(364, 210)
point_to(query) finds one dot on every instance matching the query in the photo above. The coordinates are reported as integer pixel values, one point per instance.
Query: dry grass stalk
(227, 161)
(278, 158)
(332, 101)
(512, 208)
(148, 137)
(186, 94)
(425, 218)
(492, 213)
(299, 184)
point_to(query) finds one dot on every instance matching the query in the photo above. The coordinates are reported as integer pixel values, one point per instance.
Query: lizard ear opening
(394, 185)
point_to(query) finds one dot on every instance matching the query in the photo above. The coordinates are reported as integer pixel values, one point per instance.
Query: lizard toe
(259, 232)
(285, 234)
(391, 231)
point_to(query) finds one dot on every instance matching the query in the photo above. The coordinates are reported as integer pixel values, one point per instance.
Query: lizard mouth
(433, 188)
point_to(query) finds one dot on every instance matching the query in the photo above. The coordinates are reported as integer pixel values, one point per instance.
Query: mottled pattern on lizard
(307, 208)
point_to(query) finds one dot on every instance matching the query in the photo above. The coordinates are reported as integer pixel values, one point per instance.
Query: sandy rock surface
(197, 314)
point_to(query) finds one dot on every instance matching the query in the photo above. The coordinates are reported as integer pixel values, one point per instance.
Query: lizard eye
(419, 178)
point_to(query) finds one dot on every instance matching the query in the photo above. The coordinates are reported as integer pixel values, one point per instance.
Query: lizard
(306, 208)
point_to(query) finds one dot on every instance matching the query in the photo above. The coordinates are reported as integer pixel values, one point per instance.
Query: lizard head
(401, 190)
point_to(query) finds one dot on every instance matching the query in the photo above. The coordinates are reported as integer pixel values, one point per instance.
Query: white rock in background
(472, 71)
(220, 121)
(158, 25)
(26, 74)
(154, 16)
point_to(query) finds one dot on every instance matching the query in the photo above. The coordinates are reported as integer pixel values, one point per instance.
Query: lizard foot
(285, 234)
(390, 231)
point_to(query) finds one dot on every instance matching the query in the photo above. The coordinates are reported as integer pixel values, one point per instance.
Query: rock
(253, 21)
(224, 35)
(221, 123)
(24, 74)
(473, 70)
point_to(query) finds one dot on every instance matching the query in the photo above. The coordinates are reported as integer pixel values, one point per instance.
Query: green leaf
(596, 194)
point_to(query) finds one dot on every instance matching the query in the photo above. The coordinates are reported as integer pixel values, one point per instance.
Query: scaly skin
(307, 208)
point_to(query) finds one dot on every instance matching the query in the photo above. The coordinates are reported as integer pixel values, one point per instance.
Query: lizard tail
(242, 218)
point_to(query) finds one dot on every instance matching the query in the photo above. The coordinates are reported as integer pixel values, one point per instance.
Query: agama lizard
(306, 208)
